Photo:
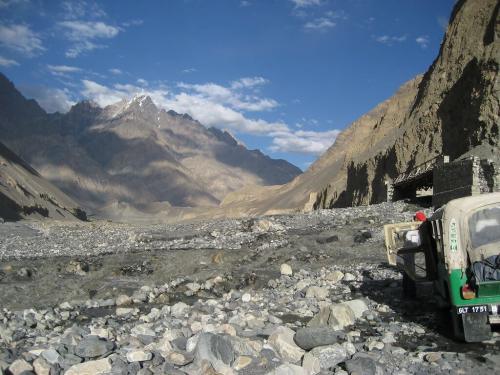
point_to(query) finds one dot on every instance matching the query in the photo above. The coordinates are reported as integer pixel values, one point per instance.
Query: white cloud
(306, 3)
(422, 41)
(142, 82)
(390, 40)
(303, 141)
(115, 71)
(245, 3)
(7, 62)
(189, 70)
(8, 3)
(20, 38)
(232, 96)
(62, 70)
(248, 82)
(83, 34)
(320, 24)
(73, 9)
(50, 99)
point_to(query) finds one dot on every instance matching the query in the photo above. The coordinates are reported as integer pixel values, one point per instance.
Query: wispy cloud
(20, 38)
(115, 71)
(233, 96)
(5, 62)
(306, 3)
(76, 9)
(189, 70)
(245, 3)
(423, 41)
(50, 99)
(84, 33)
(389, 40)
(303, 142)
(8, 3)
(62, 70)
(320, 24)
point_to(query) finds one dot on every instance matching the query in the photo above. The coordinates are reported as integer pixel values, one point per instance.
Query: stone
(311, 364)
(358, 307)
(288, 369)
(335, 276)
(51, 356)
(432, 357)
(19, 366)
(311, 337)
(92, 347)
(329, 239)
(139, 356)
(349, 277)
(341, 316)
(216, 349)
(241, 362)
(321, 318)
(180, 358)
(123, 300)
(282, 341)
(99, 367)
(179, 310)
(246, 297)
(123, 311)
(362, 364)
(286, 270)
(41, 367)
(317, 292)
(329, 356)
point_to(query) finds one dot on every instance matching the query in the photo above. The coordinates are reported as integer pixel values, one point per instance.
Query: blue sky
(284, 76)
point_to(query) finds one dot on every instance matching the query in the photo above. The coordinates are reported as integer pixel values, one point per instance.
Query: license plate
(472, 309)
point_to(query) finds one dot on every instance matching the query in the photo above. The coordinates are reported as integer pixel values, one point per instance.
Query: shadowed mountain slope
(132, 152)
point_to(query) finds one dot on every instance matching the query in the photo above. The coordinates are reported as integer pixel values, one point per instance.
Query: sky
(283, 76)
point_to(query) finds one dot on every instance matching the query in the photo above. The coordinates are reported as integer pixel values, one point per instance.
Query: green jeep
(459, 252)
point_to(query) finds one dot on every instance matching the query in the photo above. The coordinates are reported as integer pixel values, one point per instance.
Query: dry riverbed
(292, 294)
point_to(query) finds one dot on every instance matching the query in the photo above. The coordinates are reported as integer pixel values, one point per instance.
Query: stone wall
(464, 178)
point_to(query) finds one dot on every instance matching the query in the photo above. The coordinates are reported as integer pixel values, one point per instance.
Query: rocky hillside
(452, 110)
(25, 194)
(132, 153)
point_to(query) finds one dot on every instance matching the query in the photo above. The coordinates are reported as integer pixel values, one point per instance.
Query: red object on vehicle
(468, 292)
(420, 216)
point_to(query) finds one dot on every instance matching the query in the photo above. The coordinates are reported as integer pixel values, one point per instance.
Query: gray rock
(101, 366)
(51, 356)
(358, 307)
(19, 366)
(93, 347)
(139, 356)
(282, 341)
(311, 337)
(362, 364)
(216, 349)
(329, 356)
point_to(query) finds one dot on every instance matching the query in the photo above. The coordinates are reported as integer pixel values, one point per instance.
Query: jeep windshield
(484, 227)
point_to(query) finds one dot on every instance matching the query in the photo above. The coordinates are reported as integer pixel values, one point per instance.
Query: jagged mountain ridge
(452, 110)
(133, 152)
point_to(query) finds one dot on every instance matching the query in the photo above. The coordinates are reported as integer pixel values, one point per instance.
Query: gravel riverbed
(291, 294)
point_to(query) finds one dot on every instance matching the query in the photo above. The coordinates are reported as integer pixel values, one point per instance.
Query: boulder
(329, 356)
(358, 307)
(317, 292)
(92, 347)
(286, 270)
(99, 367)
(282, 341)
(311, 337)
(19, 366)
(216, 349)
